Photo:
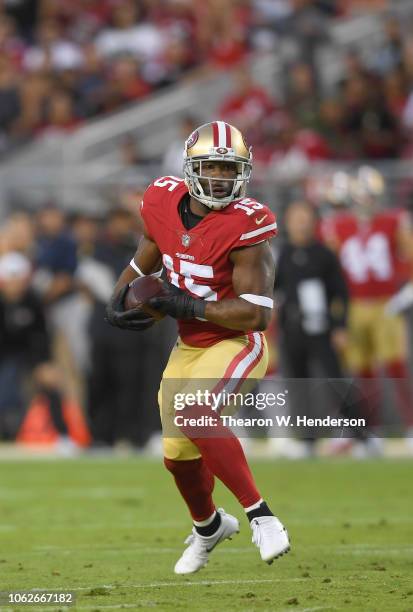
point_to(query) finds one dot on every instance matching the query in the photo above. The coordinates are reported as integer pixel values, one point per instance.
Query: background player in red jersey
(213, 242)
(374, 246)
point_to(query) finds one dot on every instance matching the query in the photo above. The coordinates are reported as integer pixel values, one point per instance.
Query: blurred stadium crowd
(64, 62)
(367, 114)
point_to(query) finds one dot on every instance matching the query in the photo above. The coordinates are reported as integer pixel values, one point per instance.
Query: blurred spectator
(248, 105)
(177, 58)
(395, 93)
(313, 294)
(9, 100)
(25, 356)
(269, 20)
(119, 404)
(34, 92)
(389, 56)
(90, 86)
(271, 12)
(229, 44)
(12, 46)
(81, 19)
(294, 148)
(118, 240)
(308, 24)
(25, 13)
(354, 66)
(302, 95)
(18, 234)
(59, 115)
(52, 50)
(130, 33)
(172, 162)
(126, 84)
(222, 33)
(56, 263)
(56, 255)
(331, 127)
(313, 309)
(368, 121)
(85, 231)
(408, 58)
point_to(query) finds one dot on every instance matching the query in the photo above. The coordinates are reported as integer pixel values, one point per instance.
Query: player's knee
(180, 467)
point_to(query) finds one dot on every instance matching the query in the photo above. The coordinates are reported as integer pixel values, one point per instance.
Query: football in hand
(140, 291)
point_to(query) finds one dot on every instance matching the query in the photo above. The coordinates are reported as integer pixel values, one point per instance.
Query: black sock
(263, 510)
(209, 530)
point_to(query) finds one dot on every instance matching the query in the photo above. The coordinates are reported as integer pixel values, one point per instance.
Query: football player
(214, 244)
(374, 245)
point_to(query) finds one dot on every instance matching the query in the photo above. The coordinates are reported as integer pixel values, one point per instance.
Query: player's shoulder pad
(161, 188)
(402, 219)
(390, 219)
(157, 200)
(161, 191)
(397, 213)
(251, 222)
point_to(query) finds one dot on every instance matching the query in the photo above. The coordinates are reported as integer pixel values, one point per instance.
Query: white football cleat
(270, 536)
(196, 555)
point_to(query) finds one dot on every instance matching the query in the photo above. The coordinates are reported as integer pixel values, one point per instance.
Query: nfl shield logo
(186, 239)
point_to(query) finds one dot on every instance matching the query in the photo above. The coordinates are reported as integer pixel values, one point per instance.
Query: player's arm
(253, 282)
(147, 260)
(403, 299)
(404, 238)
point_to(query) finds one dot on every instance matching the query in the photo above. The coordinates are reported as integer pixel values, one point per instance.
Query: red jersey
(368, 251)
(197, 260)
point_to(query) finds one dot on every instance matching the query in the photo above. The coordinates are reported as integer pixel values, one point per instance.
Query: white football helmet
(216, 141)
(339, 192)
(370, 182)
(369, 190)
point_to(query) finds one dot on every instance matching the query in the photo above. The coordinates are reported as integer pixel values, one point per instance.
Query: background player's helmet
(216, 141)
(340, 190)
(369, 188)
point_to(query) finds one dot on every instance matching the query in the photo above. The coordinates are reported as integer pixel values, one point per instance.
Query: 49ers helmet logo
(192, 139)
(222, 150)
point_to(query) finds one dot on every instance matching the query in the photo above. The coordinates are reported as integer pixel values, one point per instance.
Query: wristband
(139, 271)
(260, 300)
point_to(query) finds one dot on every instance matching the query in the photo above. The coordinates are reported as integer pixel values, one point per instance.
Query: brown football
(140, 291)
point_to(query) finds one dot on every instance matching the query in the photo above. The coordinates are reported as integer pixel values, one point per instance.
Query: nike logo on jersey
(259, 221)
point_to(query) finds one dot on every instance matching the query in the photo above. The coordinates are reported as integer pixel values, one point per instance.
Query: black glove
(178, 304)
(117, 316)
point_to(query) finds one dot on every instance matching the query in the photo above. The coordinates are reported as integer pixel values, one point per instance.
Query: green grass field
(112, 530)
